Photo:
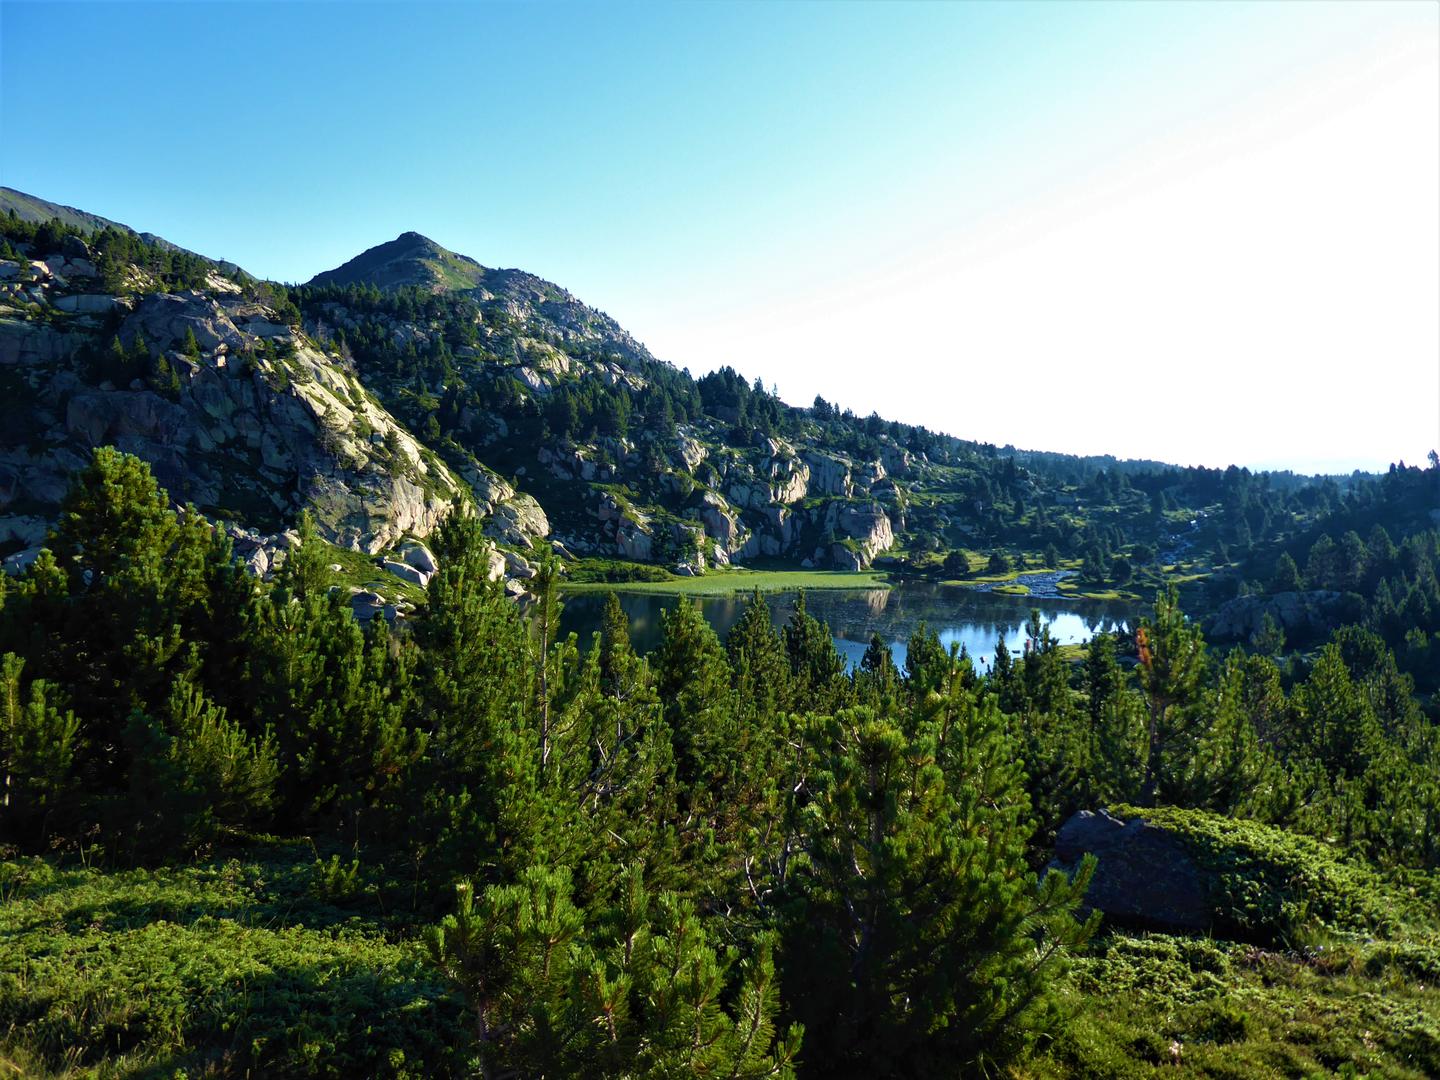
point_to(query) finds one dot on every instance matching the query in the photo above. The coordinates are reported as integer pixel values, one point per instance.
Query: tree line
(730, 857)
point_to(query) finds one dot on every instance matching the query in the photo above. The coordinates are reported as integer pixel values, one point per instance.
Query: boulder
(406, 572)
(86, 303)
(690, 451)
(257, 561)
(517, 567)
(829, 474)
(496, 566)
(633, 540)
(720, 524)
(518, 522)
(163, 318)
(18, 563)
(868, 474)
(489, 489)
(896, 459)
(1301, 615)
(29, 531)
(419, 556)
(866, 523)
(1145, 876)
(72, 247)
(789, 479)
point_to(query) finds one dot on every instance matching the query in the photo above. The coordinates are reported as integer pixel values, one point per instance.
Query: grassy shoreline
(731, 582)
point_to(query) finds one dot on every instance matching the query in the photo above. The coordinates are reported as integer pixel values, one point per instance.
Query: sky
(1200, 232)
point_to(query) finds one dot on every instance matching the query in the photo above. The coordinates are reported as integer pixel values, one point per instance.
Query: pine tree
(549, 996)
(913, 948)
(1172, 665)
(1228, 766)
(1116, 726)
(925, 661)
(759, 664)
(876, 677)
(37, 754)
(193, 771)
(693, 679)
(816, 666)
(478, 784)
(1286, 577)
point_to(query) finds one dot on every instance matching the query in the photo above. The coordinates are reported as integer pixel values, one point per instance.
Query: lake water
(957, 614)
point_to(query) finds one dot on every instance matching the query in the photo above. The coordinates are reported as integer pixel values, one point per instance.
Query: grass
(726, 582)
(1323, 967)
(232, 967)
(264, 961)
(1153, 1005)
(1070, 590)
(360, 570)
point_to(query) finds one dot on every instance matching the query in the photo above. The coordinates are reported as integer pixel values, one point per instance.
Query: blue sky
(1204, 232)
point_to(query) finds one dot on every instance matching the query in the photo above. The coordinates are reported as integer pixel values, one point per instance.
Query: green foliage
(693, 678)
(1172, 664)
(193, 771)
(1274, 886)
(1163, 1005)
(224, 968)
(851, 852)
(616, 571)
(37, 752)
(646, 1000)
(914, 949)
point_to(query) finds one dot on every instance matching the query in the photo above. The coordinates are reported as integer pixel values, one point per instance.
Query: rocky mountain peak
(411, 259)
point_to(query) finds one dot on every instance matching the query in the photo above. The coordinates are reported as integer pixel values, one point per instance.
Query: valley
(408, 674)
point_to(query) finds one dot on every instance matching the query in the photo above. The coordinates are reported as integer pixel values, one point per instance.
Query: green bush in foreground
(1275, 886)
(226, 968)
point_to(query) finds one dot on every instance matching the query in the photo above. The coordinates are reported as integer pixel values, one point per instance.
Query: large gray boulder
(829, 473)
(420, 557)
(1301, 615)
(518, 522)
(1145, 875)
(406, 572)
(17, 564)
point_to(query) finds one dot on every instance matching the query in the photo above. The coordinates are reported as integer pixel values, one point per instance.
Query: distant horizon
(1198, 234)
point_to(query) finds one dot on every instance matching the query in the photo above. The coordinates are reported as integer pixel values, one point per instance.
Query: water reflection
(956, 614)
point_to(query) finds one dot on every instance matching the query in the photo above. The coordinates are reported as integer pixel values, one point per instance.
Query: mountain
(209, 377)
(415, 262)
(408, 261)
(35, 210)
(412, 378)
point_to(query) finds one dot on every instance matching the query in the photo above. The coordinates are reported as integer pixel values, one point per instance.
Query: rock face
(269, 413)
(519, 522)
(1145, 876)
(1301, 615)
(829, 474)
(865, 523)
(406, 572)
(275, 429)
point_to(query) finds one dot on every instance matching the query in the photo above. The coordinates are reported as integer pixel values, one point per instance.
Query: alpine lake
(966, 615)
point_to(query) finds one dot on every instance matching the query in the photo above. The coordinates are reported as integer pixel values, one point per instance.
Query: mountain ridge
(409, 377)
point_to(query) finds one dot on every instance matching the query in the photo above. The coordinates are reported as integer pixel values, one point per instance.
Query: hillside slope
(216, 385)
(383, 389)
